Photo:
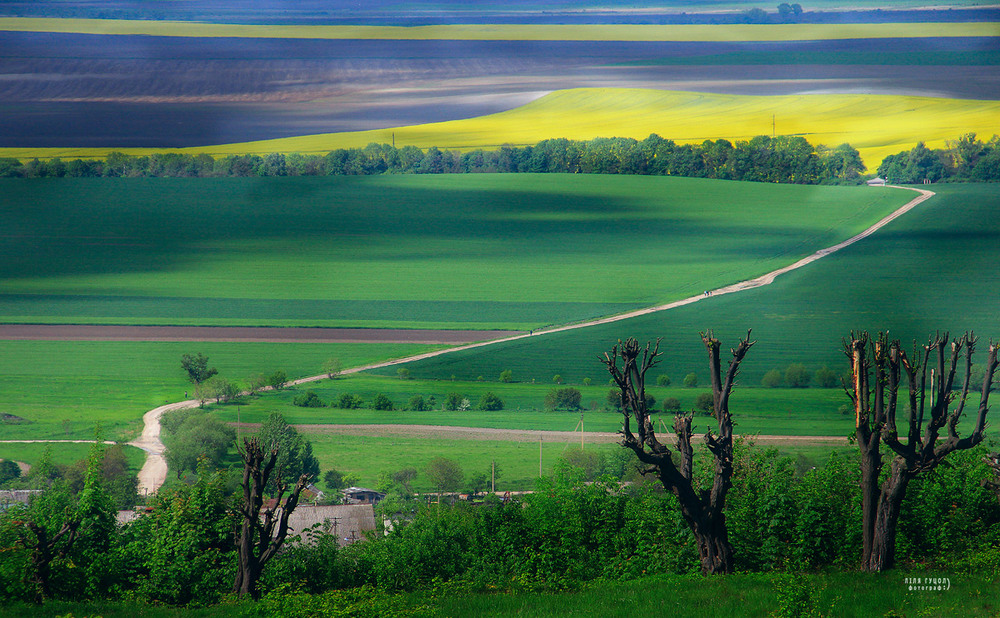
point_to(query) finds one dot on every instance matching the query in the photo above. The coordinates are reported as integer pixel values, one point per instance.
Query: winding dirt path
(154, 471)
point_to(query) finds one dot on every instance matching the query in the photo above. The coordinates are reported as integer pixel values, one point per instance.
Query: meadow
(475, 251)
(932, 270)
(876, 125)
(63, 389)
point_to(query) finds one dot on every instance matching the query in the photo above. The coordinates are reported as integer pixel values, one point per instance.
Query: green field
(933, 269)
(456, 251)
(62, 389)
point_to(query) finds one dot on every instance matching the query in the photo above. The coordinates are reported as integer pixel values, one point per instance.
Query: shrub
(308, 399)
(772, 379)
(418, 403)
(671, 405)
(563, 399)
(827, 378)
(614, 400)
(453, 401)
(663, 380)
(557, 379)
(403, 373)
(348, 401)
(277, 379)
(797, 376)
(490, 402)
(691, 380)
(587, 381)
(506, 375)
(705, 402)
(382, 402)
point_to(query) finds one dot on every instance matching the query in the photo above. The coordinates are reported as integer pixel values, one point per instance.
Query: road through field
(154, 471)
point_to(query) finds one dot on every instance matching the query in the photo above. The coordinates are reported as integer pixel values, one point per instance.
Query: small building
(9, 497)
(876, 182)
(348, 522)
(362, 495)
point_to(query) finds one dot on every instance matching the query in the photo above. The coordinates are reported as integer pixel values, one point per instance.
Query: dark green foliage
(308, 399)
(772, 379)
(762, 158)
(333, 480)
(827, 378)
(418, 403)
(671, 405)
(277, 380)
(704, 403)
(506, 375)
(381, 402)
(348, 401)
(445, 474)
(563, 399)
(490, 402)
(663, 380)
(193, 434)
(691, 380)
(614, 399)
(197, 367)
(295, 456)
(797, 376)
(310, 566)
(453, 401)
(9, 471)
(403, 373)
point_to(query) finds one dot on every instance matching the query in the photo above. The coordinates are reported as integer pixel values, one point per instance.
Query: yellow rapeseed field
(877, 125)
(509, 32)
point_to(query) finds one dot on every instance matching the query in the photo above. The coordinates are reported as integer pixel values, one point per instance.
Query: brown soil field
(100, 332)
(515, 435)
(85, 90)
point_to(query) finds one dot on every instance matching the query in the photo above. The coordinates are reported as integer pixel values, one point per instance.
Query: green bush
(490, 402)
(506, 375)
(563, 399)
(797, 376)
(308, 399)
(671, 405)
(348, 401)
(418, 403)
(772, 379)
(704, 403)
(663, 380)
(827, 378)
(691, 380)
(382, 402)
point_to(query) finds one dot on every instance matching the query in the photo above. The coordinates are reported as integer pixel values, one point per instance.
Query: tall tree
(877, 366)
(702, 508)
(197, 367)
(264, 528)
(295, 456)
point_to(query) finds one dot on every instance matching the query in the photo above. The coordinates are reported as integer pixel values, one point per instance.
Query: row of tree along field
(762, 159)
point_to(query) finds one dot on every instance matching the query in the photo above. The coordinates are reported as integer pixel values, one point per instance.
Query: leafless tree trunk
(47, 548)
(702, 508)
(877, 369)
(264, 528)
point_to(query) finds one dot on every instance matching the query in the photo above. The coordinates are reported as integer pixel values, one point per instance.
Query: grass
(454, 251)
(877, 125)
(934, 269)
(62, 389)
(64, 454)
(847, 594)
(506, 32)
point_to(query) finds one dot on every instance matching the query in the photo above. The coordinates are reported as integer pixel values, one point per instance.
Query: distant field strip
(78, 332)
(509, 32)
(877, 125)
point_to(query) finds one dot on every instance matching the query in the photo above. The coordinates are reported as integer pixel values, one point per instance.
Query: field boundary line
(154, 471)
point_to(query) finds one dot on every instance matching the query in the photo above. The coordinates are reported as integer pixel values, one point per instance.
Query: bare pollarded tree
(264, 528)
(879, 367)
(702, 508)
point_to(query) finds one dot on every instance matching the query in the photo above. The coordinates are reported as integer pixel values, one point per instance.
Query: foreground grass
(877, 125)
(465, 251)
(846, 594)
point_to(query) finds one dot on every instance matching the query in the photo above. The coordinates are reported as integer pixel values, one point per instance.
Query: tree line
(965, 159)
(762, 159)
